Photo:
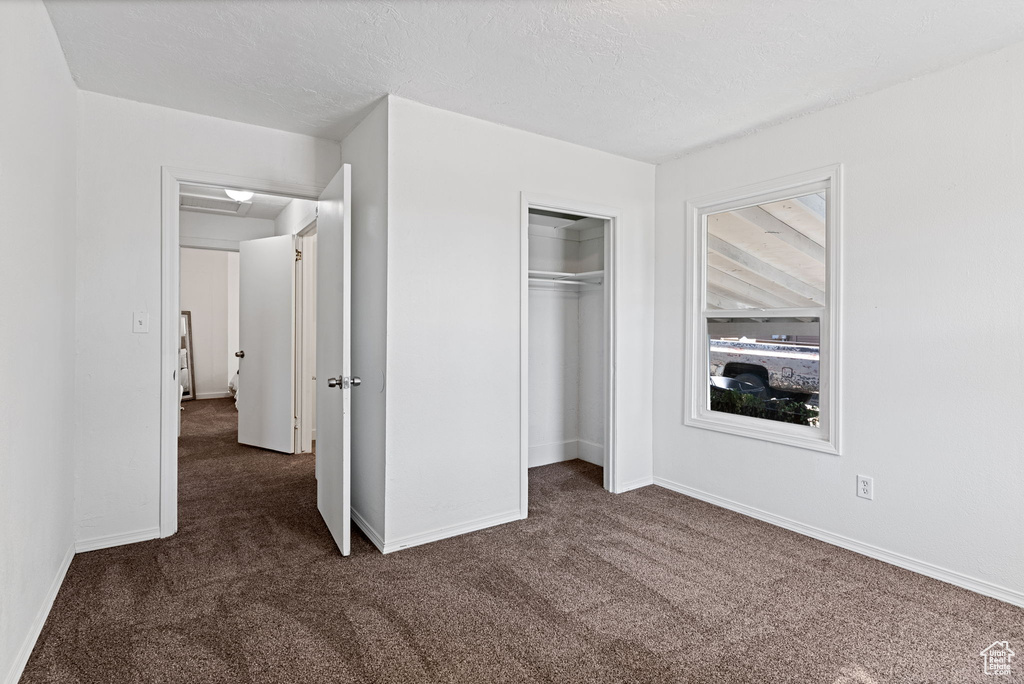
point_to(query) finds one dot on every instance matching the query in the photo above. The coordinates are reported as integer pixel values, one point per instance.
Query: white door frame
(305, 314)
(171, 180)
(611, 250)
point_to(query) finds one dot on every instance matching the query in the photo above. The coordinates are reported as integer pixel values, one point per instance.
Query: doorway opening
(567, 384)
(205, 235)
(247, 294)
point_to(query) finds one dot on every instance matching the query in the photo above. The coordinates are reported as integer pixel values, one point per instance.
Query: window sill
(816, 439)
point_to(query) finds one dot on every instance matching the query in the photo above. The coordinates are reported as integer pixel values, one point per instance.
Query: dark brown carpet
(648, 586)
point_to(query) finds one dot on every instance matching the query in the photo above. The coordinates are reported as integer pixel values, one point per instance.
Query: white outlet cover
(865, 487)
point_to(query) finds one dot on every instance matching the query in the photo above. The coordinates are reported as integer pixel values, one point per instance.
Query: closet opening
(567, 313)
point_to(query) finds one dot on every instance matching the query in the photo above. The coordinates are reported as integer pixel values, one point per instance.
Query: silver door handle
(356, 382)
(240, 354)
(344, 383)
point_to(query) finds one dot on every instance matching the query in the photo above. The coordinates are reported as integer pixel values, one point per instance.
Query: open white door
(334, 381)
(266, 340)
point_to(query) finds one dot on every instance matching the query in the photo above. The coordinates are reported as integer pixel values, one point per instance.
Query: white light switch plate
(140, 322)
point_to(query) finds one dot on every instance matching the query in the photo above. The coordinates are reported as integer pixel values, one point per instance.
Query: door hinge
(296, 423)
(298, 255)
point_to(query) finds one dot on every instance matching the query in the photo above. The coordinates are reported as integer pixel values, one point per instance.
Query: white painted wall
(932, 171)
(205, 292)
(215, 231)
(295, 216)
(305, 363)
(549, 251)
(453, 311)
(38, 138)
(566, 250)
(592, 354)
(366, 148)
(591, 256)
(122, 147)
(566, 352)
(592, 405)
(554, 373)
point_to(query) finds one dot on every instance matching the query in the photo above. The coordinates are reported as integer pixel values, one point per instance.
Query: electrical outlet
(865, 487)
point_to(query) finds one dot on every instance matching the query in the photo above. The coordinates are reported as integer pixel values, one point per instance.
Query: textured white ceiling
(646, 79)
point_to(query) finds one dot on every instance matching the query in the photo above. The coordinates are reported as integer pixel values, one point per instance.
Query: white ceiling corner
(647, 79)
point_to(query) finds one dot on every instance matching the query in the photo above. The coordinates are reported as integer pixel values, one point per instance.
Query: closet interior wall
(566, 354)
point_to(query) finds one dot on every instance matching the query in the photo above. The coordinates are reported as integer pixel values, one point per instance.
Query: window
(762, 321)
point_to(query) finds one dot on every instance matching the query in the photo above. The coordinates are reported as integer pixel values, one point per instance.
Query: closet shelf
(585, 278)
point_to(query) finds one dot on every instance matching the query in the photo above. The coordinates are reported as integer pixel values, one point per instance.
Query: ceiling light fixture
(239, 195)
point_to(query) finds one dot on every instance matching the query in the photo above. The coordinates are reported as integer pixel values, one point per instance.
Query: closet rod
(564, 281)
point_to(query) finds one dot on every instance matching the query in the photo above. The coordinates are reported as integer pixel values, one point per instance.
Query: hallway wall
(206, 293)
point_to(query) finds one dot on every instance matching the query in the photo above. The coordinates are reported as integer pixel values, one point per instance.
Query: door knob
(332, 382)
(356, 382)
(344, 383)
(240, 354)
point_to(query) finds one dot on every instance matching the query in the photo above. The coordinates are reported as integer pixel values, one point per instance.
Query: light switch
(140, 322)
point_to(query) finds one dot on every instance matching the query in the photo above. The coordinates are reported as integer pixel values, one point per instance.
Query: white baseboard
(445, 532)
(590, 452)
(556, 452)
(213, 395)
(368, 530)
(892, 558)
(21, 660)
(97, 543)
(635, 484)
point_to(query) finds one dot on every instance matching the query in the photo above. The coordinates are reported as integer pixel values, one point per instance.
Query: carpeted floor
(648, 586)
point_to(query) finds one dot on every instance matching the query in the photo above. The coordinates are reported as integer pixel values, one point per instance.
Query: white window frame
(696, 412)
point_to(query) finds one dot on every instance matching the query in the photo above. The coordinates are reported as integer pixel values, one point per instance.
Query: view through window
(764, 301)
